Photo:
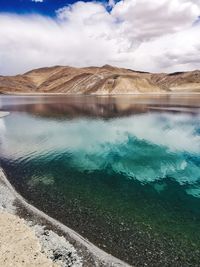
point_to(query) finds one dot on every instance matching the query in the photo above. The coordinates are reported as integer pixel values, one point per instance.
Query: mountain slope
(99, 80)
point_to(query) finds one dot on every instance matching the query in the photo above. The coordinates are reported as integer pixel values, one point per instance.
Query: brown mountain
(99, 80)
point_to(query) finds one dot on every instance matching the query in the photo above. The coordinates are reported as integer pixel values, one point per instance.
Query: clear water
(122, 171)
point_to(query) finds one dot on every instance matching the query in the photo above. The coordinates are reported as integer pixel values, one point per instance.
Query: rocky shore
(26, 243)
(19, 246)
(31, 238)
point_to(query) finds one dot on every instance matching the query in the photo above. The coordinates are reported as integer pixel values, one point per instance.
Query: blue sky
(46, 7)
(148, 35)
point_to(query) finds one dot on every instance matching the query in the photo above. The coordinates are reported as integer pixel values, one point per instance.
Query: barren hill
(99, 80)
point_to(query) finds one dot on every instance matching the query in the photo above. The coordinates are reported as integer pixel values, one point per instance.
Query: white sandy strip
(3, 114)
(19, 246)
(107, 259)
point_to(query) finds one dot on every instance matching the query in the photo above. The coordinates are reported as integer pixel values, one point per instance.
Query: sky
(146, 35)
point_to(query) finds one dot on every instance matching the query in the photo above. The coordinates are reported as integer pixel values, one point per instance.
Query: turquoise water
(123, 172)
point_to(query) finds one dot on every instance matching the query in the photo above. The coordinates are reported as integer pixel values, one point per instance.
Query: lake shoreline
(183, 93)
(81, 251)
(24, 247)
(4, 114)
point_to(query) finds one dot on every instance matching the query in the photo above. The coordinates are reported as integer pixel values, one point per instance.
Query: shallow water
(122, 171)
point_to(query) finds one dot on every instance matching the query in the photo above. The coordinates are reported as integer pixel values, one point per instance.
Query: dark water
(124, 172)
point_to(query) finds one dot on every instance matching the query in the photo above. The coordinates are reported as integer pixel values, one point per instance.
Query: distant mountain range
(99, 80)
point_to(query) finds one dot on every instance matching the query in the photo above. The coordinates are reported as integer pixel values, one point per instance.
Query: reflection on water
(122, 171)
(106, 107)
(146, 147)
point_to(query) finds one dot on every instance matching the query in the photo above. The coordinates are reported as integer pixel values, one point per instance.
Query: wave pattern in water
(147, 148)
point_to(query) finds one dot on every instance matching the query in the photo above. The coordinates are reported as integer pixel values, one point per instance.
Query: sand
(35, 241)
(3, 114)
(24, 242)
(19, 246)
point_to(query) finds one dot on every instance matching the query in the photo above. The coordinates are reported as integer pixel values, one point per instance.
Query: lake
(124, 172)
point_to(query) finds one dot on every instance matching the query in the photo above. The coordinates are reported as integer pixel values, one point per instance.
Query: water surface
(123, 172)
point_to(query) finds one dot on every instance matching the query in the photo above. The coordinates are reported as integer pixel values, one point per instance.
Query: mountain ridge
(105, 80)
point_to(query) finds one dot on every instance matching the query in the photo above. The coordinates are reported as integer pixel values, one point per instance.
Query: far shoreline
(104, 95)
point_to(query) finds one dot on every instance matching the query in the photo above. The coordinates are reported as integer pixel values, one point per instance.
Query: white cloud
(140, 34)
(144, 19)
(173, 52)
(38, 1)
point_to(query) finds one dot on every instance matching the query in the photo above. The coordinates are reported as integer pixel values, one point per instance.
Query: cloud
(173, 52)
(140, 34)
(144, 19)
(38, 1)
